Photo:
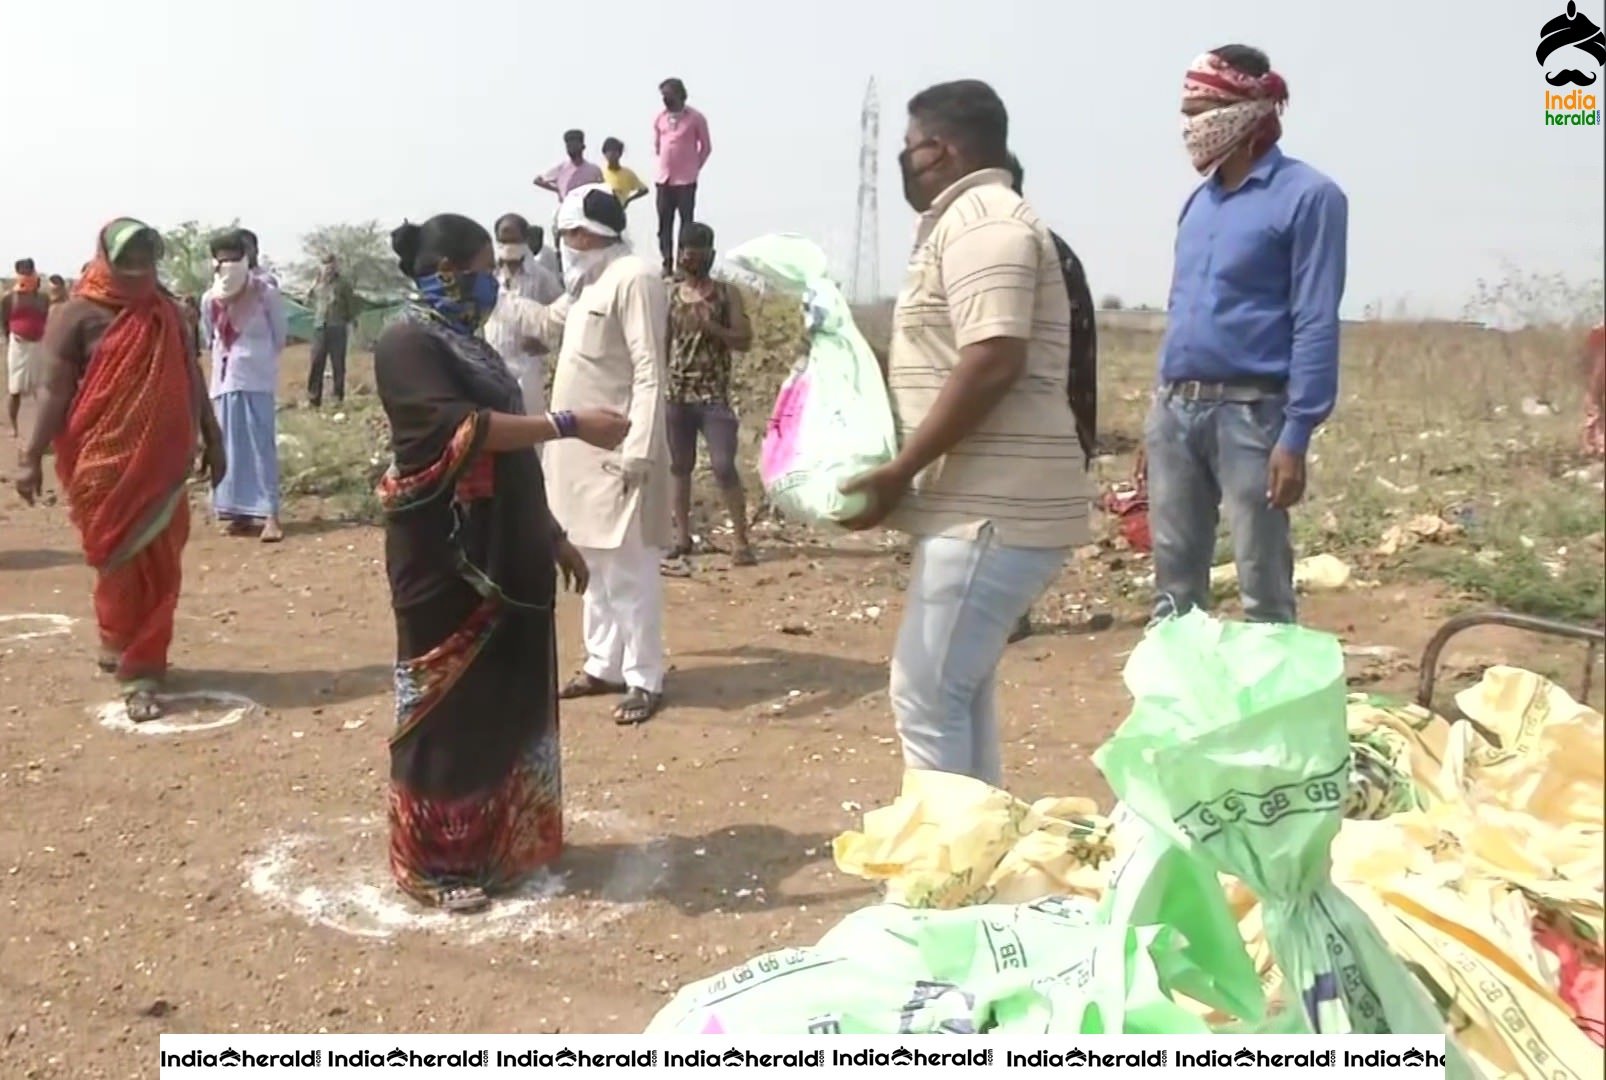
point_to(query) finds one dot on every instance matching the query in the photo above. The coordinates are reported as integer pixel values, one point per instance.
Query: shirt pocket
(592, 342)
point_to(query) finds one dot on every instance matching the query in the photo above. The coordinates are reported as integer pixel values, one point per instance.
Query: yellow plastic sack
(950, 841)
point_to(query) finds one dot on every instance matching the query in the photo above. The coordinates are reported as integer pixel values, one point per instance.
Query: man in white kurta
(520, 274)
(613, 322)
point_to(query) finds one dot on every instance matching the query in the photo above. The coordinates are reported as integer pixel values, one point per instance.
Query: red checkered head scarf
(1243, 110)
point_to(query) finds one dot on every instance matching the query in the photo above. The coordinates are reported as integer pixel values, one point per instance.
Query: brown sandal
(638, 707)
(586, 685)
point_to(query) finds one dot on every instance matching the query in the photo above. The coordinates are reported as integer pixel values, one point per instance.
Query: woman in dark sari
(472, 554)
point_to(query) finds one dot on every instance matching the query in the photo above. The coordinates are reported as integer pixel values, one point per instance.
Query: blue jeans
(1205, 456)
(964, 599)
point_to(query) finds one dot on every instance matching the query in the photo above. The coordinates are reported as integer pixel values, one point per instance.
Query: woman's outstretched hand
(602, 428)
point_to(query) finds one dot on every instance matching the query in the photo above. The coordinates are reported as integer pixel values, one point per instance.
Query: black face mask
(911, 176)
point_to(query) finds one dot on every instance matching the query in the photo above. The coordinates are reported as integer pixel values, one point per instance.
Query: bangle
(564, 423)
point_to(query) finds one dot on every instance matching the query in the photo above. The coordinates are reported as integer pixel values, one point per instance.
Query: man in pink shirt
(573, 171)
(680, 139)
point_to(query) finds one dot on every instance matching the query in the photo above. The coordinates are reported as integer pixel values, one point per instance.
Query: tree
(1111, 302)
(366, 259)
(187, 256)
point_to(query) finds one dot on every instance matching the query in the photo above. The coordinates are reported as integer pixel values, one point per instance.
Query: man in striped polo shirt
(989, 478)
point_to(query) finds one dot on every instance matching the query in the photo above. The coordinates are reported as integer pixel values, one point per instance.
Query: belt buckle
(1191, 391)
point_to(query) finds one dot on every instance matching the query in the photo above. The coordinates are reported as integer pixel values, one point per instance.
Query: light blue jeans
(964, 599)
(1206, 457)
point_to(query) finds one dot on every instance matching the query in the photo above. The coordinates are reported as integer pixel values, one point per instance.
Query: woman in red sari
(124, 406)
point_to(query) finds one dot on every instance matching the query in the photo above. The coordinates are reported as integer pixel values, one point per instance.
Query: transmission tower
(867, 229)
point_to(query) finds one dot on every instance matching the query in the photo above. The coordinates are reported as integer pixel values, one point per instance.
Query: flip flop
(142, 705)
(586, 685)
(638, 707)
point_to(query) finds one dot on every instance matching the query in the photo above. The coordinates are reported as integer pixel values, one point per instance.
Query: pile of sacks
(1228, 891)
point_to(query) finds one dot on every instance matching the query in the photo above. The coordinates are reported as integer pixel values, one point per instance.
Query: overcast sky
(300, 112)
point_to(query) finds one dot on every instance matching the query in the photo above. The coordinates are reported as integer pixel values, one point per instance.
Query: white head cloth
(572, 213)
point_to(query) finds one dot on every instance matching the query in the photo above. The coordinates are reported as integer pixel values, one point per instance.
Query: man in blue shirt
(1249, 366)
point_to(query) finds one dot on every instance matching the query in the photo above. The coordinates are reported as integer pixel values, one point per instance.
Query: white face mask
(580, 268)
(512, 253)
(231, 277)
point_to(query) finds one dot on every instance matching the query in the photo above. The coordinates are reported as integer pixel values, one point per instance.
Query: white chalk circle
(114, 714)
(50, 626)
(304, 874)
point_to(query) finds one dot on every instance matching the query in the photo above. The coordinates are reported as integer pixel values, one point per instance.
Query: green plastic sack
(1046, 967)
(1155, 882)
(832, 419)
(1237, 751)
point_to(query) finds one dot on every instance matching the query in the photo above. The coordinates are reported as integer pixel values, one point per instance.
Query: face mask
(483, 292)
(1214, 136)
(512, 253)
(231, 277)
(580, 267)
(911, 177)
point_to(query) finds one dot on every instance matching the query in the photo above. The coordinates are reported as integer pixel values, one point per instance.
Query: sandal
(586, 685)
(142, 705)
(464, 900)
(638, 707)
(676, 566)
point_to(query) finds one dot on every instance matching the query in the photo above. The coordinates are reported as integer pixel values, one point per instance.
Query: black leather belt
(1233, 393)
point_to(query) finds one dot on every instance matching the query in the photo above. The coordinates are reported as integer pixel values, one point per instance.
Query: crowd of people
(498, 496)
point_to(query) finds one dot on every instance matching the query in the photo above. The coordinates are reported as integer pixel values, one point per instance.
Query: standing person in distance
(612, 324)
(125, 406)
(472, 555)
(1249, 363)
(57, 292)
(23, 311)
(243, 319)
(680, 140)
(620, 178)
(519, 274)
(707, 323)
(988, 479)
(573, 171)
(334, 308)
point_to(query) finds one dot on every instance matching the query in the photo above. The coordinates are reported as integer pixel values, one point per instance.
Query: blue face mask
(483, 290)
(464, 300)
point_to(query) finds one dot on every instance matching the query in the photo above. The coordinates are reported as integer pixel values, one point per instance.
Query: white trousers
(624, 615)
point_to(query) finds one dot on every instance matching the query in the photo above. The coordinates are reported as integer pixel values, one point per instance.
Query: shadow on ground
(43, 559)
(755, 675)
(285, 690)
(741, 868)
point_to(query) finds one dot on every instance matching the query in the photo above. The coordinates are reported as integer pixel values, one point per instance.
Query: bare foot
(272, 532)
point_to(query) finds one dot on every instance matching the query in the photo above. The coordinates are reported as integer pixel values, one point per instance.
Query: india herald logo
(1562, 40)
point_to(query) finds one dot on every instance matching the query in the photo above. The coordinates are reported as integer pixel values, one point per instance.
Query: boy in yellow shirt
(623, 181)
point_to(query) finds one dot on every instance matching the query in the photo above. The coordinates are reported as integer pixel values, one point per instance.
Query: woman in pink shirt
(680, 139)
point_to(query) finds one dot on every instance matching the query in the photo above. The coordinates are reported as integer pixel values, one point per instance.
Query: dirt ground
(233, 878)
